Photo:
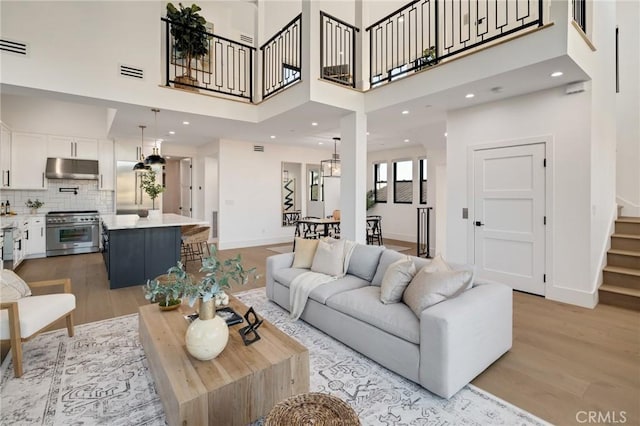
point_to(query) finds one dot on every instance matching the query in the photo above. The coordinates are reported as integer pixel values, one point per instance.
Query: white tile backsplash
(88, 197)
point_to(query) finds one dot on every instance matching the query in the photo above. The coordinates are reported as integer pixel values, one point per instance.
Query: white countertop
(12, 221)
(132, 221)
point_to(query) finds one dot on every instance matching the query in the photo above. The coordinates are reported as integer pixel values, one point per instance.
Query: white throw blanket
(301, 287)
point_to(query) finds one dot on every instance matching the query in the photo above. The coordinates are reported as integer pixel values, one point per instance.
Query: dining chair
(23, 318)
(374, 230)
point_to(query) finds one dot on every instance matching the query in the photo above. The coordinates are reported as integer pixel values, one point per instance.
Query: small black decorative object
(250, 333)
(229, 315)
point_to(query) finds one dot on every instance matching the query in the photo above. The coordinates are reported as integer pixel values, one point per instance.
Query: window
(423, 181)
(314, 185)
(403, 182)
(380, 182)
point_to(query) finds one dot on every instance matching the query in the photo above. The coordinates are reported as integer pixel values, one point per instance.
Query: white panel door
(509, 210)
(185, 187)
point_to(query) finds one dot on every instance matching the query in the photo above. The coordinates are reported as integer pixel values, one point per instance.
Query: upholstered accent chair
(24, 316)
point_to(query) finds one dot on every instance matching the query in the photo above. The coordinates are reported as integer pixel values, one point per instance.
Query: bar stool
(374, 230)
(194, 243)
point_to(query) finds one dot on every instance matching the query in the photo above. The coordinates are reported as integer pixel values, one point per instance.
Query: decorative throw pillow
(329, 258)
(437, 264)
(12, 287)
(304, 253)
(396, 279)
(428, 288)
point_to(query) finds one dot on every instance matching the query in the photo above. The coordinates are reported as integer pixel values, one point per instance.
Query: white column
(353, 181)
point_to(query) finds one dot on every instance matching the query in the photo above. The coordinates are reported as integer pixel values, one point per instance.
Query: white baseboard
(572, 296)
(229, 245)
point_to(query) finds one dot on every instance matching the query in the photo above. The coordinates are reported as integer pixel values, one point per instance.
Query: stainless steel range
(72, 232)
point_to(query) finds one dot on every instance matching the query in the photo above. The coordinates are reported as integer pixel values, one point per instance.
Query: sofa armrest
(274, 263)
(461, 337)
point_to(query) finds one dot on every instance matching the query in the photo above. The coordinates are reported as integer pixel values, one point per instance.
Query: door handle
(478, 223)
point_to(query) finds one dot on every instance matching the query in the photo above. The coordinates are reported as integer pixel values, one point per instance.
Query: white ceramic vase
(154, 213)
(207, 336)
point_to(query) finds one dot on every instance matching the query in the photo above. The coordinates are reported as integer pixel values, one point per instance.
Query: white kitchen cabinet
(106, 165)
(28, 161)
(35, 237)
(72, 147)
(130, 151)
(19, 243)
(5, 155)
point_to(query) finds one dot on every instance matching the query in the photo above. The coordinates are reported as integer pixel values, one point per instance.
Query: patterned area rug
(100, 377)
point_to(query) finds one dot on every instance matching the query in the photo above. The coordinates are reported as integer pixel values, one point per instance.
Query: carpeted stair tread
(634, 253)
(622, 270)
(620, 290)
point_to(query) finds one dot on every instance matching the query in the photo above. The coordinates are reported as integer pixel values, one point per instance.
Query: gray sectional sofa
(443, 349)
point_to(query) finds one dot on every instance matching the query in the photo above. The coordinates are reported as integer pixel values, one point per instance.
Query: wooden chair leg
(16, 340)
(70, 324)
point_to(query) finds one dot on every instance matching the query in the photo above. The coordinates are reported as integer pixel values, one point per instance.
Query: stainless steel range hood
(66, 168)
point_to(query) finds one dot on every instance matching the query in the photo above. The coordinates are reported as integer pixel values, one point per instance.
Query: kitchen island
(136, 249)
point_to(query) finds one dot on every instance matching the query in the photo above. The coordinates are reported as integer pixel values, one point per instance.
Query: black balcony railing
(424, 32)
(337, 50)
(580, 13)
(282, 58)
(227, 68)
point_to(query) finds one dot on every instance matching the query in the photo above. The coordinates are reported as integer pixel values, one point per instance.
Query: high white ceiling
(388, 128)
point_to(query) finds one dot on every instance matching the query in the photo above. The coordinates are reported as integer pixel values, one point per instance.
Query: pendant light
(140, 165)
(155, 158)
(331, 168)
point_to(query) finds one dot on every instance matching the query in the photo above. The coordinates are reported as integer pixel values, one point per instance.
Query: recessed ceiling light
(367, 133)
(556, 74)
(320, 143)
(186, 123)
(167, 157)
(272, 136)
(172, 132)
(406, 140)
(445, 134)
(405, 112)
(469, 95)
(314, 124)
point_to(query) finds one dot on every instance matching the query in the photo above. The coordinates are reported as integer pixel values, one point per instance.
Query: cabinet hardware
(478, 223)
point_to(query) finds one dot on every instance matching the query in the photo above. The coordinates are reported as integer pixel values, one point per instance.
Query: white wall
(250, 197)
(628, 109)
(399, 220)
(564, 120)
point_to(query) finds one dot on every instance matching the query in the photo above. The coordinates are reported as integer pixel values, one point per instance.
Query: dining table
(314, 223)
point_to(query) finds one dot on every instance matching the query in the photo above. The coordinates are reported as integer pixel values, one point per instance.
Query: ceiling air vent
(129, 71)
(16, 47)
(246, 39)
(258, 148)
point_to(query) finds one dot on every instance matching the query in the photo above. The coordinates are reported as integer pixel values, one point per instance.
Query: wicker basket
(313, 408)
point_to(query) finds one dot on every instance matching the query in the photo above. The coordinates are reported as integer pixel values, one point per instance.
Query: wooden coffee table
(236, 388)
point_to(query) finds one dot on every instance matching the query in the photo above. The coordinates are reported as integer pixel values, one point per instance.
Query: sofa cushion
(304, 252)
(12, 287)
(285, 275)
(364, 304)
(329, 258)
(386, 259)
(398, 276)
(348, 282)
(428, 288)
(364, 261)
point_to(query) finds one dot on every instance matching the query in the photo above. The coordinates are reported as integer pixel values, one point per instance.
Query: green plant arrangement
(189, 34)
(149, 185)
(371, 198)
(218, 276)
(34, 204)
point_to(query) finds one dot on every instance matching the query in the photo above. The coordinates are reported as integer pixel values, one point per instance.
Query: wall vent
(12, 46)
(129, 71)
(214, 225)
(258, 148)
(246, 39)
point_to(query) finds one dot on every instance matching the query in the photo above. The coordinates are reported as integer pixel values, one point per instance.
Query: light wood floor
(565, 360)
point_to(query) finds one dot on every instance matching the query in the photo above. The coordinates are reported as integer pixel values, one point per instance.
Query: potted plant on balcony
(149, 185)
(190, 39)
(428, 58)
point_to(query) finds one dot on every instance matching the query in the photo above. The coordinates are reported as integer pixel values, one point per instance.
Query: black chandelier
(331, 167)
(155, 158)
